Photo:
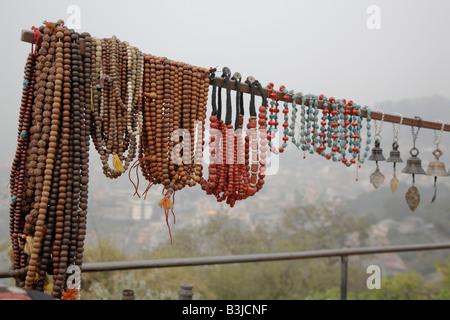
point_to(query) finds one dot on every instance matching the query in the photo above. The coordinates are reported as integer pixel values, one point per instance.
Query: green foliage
(321, 227)
(444, 294)
(444, 269)
(417, 260)
(302, 228)
(333, 293)
(437, 213)
(114, 290)
(401, 286)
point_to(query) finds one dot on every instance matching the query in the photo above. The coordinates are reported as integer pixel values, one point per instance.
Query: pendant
(394, 183)
(435, 190)
(377, 178)
(413, 198)
(434, 196)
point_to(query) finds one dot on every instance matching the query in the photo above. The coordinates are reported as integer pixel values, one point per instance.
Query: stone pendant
(413, 198)
(377, 178)
(394, 183)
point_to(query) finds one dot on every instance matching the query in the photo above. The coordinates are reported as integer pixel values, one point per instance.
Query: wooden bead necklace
(85, 149)
(49, 174)
(174, 98)
(17, 175)
(117, 78)
(112, 93)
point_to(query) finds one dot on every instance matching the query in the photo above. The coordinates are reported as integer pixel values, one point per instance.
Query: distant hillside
(296, 180)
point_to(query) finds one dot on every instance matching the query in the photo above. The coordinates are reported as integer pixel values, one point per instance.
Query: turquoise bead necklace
(338, 136)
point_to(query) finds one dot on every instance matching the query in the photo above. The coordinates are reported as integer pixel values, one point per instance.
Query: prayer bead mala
(233, 173)
(45, 127)
(339, 132)
(69, 97)
(118, 83)
(85, 149)
(49, 174)
(174, 99)
(62, 225)
(262, 137)
(17, 175)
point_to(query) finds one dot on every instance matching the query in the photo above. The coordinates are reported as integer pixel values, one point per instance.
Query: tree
(401, 286)
(301, 228)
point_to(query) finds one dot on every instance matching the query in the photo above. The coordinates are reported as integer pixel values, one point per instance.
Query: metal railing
(245, 258)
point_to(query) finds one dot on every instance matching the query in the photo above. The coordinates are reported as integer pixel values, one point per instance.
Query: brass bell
(394, 155)
(413, 167)
(437, 168)
(414, 164)
(377, 152)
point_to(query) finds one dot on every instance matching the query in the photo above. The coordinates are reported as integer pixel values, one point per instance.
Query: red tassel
(166, 204)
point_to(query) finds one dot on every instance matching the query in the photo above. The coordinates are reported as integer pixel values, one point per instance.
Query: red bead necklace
(236, 170)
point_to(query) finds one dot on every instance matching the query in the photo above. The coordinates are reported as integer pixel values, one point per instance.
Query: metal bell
(377, 152)
(414, 164)
(437, 168)
(394, 155)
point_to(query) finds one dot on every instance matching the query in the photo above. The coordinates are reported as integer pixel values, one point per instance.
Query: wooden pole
(374, 115)
(186, 291)
(28, 36)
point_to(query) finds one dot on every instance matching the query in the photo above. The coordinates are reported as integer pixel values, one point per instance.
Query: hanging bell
(394, 155)
(437, 168)
(414, 164)
(377, 178)
(377, 152)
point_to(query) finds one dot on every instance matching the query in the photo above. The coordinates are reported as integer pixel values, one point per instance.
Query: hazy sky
(320, 46)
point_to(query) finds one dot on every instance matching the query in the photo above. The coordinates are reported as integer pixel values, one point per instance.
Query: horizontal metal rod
(199, 261)
(28, 36)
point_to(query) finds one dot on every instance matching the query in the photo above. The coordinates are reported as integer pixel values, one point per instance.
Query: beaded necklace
(62, 71)
(85, 148)
(262, 137)
(174, 97)
(215, 181)
(252, 134)
(273, 122)
(17, 175)
(68, 97)
(339, 134)
(54, 128)
(286, 118)
(60, 249)
(236, 170)
(118, 74)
